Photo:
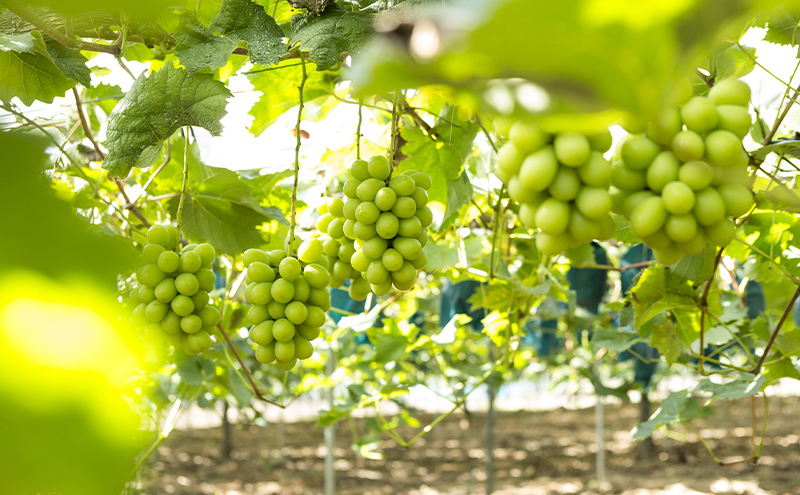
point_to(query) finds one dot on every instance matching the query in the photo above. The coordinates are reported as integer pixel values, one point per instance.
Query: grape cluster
(172, 300)
(682, 180)
(560, 181)
(380, 228)
(289, 298)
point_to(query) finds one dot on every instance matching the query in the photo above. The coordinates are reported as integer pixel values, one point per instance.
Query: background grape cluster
(560, 181)
(289, 299)
(172, 298)
(680, 182)
(384, 218)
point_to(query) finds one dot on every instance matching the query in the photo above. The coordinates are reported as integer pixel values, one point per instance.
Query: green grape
(422, 180)
(153, 334)
(659, 240)
(502, 125)
(350, 229)
(200, 299)
(150, 254)
(627, 179)
(721, 234)
(403, 286)
(156, 311)
(723, 148)
(188, 247)
(260, 272)
(350, 206)
(665, 127)
(688, 146)
(171, 323)
(639, 152)
(346, 252)
(539, 170)
(368, 189)
(148, 294)
(420, 261)
(404, 185)
(617, 199)
(187, 284)
(700, 114)
(735, 119)
(367, 213)
(165, 291)
(287, 365)
(596, 172)
(276, 310)
(730, 92)
(648, 217)
(283, 290)
(668, 256)
(336, 207)
(551, 244)
(696, 174)
(385, 199)
(302, 289)
(519, 193)
(425, 216)
(709, 207)
(572, 149)
(182, 305)
(296, 312)
(662, 171)
(151, 275)
(350, 188)
(593, 202)
(206, 279)
(422, 238)
(261, 334)
(191, 324)
(265, 354)
(169, 262)
(681, 228)
(410, 227)
(158, 234)
(341, 270)
(360, 170)
(387, 225)
(359, 289)
(323, 223)
(176, 340)
(302, 348)
(199, 342)
(392, 259)
(316, 276)
(261, 293)
(284, 351)
(737, 199)
(379, 167)
(582, 229)
(295, 243)
(527, 215)
(678, 198)
(206, 252)
(601, 141)
(420, 197)
(139, 314)
(308, 332)
(133, 297)
(527, 137)
(364, 232)
(632, 201)
(257, 314)
(316, 316)
(382, 289)
(330, 247)
(336, 228)
(693, 246)
(289, 268)
(552, 217)
(565, 185)
(373, 248)
(310, 250)
(376, 273)
(407, 273)
(275, 257)
(404, 207)
(359, 261)
(322, 208)
(190, 262)
(252, 255)
(410, 248)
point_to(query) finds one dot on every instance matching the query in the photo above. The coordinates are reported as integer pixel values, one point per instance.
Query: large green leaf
(658, 291)
(238, 21)
(744, 385)
(27, 71)
(732, 63)
(71, 62)
(331, 34)
(278, 87)
(157, 106)
(697, 267)
(783, 27)
(669, 412)
(437, 159)
(613, 339)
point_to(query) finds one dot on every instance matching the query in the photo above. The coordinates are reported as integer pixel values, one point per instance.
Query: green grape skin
(359, 261)
(648, 217)
(257, 314)
(318, 297)
(572, 149)
(330, 247)
(316, 276)
(565, 185)
(392, 259)
(191, 324)
(688, 146)
(666, 125)
(190, 262)
(668, 256)
(420, 261)
(382, 289)
(265, 354)
(696, 174)
(593, 202)
(350, 208)
(737, 199)
(307, 332)
(158, 234)
(617, 199)
(596, 172)
(709, 207)
(678, 198)
(402, 286)
(289, 268)
(341, 270)
(521, 194)
(367, 213)
(730, 92)
(422, 238)
(639, 152)
(552, 217)
(551, 244)
(346, 252)
(151, 275)
(681, 228)
(425, 216)
(200, 299)
(527, 216)
(404, 185)
(150, 254)
(601, 141)
(373, 248)
(410, 248)
(302, 289)
(171, 323)
(502, 125)
(350, 229)
(420, 197)
(296, 312)
(260, 272)
(206, 252)
(252, 255)
(310, 250)
(385, 199)
(156, 311)
(359, 289)
(539, 170)
(302, 348)
(210, 316)
(188, 247)
(360, 170)
(322, 208)
(659, 240)
(368, 189)
(206, 278)
(187, 284)
(406, 274)
(379, 167)
(336, 207)
(632, 201)
(693, 246)
(261, 334)
(627, 179)
(148, 294)
(527, 137)
(287, 365)
(133, 297)
(364, 232)
(261, 293)
(410, 227)
(316, 316)
(283, 290)
(276, 310)
(662, 171)
(723, 148)
(721, 233)
(582, 229)
(165, 291)
(199, 342)
(422, 180)
(323, 223)
(336, 228)
(404, 207)
(169, 262)
(176, 340)
(275, 258)
(608, 227)
(735, 119)
(284, 351)
(350, 188)
(376, 273)
(700, 114)
(182, 305)
(139, 314)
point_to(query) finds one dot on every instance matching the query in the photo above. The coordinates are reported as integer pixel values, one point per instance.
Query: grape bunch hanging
(681, 182)
(384, 218)
(560, 181)
(289, 298)
(171, 300)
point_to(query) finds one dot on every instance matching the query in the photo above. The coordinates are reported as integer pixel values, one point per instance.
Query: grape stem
(393, 140)
(775, 332)
(256, 391)
(704, 307)
(179, 215)
(297, 156)
(496, 229)
(358, 132)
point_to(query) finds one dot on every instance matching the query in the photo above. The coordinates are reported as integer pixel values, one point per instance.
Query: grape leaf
(155, 107)
(27, 71)
(278, 87)
(201, 47)
(441, 161)
(732, 63)
(71, 62)
(613, 339)
(783, 27)
(105, 95)
(669, 412)
(697, 267)
(459, 192)
(658, 291)
(745, 384)
(329, 35)
(664, 337)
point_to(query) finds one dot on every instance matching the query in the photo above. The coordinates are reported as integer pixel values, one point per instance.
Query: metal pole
(601, 450)
(330, 480)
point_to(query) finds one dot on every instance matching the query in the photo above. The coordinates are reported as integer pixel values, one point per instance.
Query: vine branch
(179, 215)
(298, 134)
(775, 332)
(256, 391)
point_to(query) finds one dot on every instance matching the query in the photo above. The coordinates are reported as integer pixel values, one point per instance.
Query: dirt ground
(535, 453)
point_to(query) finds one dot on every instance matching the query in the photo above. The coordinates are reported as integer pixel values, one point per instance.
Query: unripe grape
(316, 316)
(723, 148)
(350, 230)
(191, 324)
(150, 254)
(158, 234)
(410, 227)
(200, 299)
(206, 279)
(405, 274)
(169, 262)
(187, 284)
(593, 202)
(639, 152)
(385, 199)
(289, 268)
(392, 259)
(648, 217)
(404, 185)
(156, 311)
(376, 273)
(206, 252)
(336, 228)
(257, 314)
(387, 225)
(350, 206)
(696, 174)
(359, 261)
(151, 275)
(190, 262)
(365, 231)
(596, 172)
(662, 171)
(403, 286)
(368, 189)
(276, 310)
(539, 169)
(730, 92)
(360, 170)
(260, 272)
(345, 252)
(735, 119)
(422, 238)
(404, 207)
(359, 289)
(551, 244)
(148, 294)
(165, 291)
(367, 213)
(287, 364)
(210, 316)
(302, 347)
(275, 257)
(420, 197)
(182, 305)
(199, 342)
(283, 290)
(252, 255)
(737, 198)
(572, 149)
(302, 289)
(565, 185)
(627, 179)
(373, 248)
(310, 250)
(316, 276)
(336, 207)
(284, 351)
(296, 312)
(379, 167)
(552, 217)
(171, 323)
(323, 223)
(330, 247)
(721, 234)
(420, 261)
(341, 270)
(266, 353)
(700, 114)
(678, 198)
(422, 180)
(681, 228)
(382, 289)
(709, 207)
(318, 297)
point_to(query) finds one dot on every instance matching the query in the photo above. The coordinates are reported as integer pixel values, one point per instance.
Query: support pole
(601, 449)
(330, 439)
